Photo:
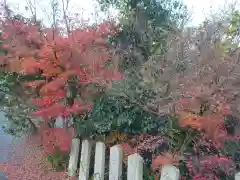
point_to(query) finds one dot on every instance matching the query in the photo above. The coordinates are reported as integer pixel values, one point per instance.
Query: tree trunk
(51, 124)
(34, 128)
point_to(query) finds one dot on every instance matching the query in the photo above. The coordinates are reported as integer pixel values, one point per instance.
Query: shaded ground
(5, 140)
(26, 163)
(6, 144)
(22, 159)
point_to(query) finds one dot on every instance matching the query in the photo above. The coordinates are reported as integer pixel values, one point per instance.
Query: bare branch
(33, 9)
(64, 9)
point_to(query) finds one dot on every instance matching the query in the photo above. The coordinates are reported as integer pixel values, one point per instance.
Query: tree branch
(65, 8)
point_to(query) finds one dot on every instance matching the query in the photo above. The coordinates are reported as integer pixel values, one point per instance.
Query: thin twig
(65, 8)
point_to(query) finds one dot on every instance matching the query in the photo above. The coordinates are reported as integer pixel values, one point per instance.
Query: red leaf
(53, 86)
(35, 84)
(5, 35)
(50, 99)
(56, 137)
(50, 112)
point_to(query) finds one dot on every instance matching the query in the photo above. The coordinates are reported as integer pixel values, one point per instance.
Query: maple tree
(63, 72)
(69, 66)
(205, 112)
(14, 95)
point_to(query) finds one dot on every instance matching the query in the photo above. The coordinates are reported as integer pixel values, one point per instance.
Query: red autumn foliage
(204, 111)
(66, 64)
(147, 143)
(18, 43)
(49, 100)
(56, 137)
(209, 167)
(83, 55)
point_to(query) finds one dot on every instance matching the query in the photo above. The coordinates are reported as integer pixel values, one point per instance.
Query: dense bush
(113, 113)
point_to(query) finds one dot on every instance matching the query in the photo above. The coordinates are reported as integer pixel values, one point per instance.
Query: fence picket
(170, 173)
(237, 176)
(85, 160)
(115, 164)
(74, 155)
(135, 167)
(99, 165)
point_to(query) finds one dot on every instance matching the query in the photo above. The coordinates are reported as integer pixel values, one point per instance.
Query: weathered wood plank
(74, 155)
(85, 160)
(99, 165)
(135, 167)
(115, 164)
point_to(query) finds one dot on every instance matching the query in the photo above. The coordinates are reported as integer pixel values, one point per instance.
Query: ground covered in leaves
(26, 163)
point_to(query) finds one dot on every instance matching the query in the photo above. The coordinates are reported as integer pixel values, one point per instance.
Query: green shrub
(58, 160)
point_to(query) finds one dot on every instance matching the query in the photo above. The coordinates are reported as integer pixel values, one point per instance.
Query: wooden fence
(134, 164)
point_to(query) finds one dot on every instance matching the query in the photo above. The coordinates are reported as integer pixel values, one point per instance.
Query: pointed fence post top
(135, 156)
(116, 148)
(99, 165)
(135, 167)
(115, 163)
(170, 173)
(237, 176)
(85, 160)
(74, 155)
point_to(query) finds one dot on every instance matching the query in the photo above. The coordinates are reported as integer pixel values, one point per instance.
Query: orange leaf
(35, 84)
(29, 65)
(192, 121)
(53, 86)
(50, 112)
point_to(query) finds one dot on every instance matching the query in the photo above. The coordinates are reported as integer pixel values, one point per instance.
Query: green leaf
(3, 52)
